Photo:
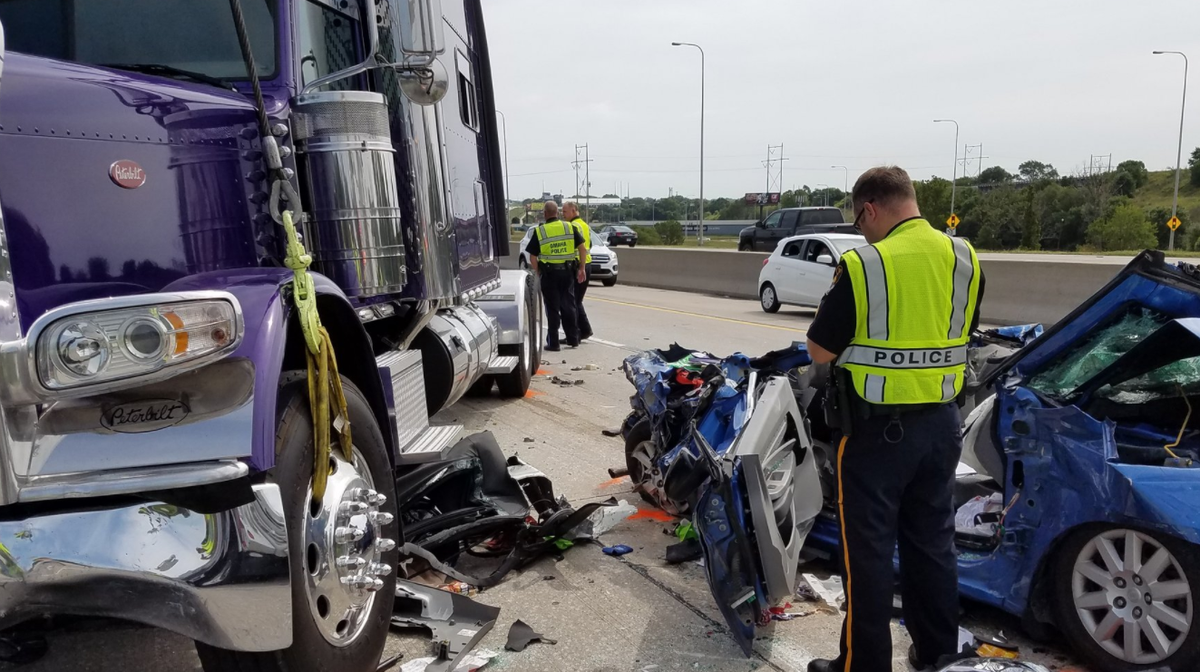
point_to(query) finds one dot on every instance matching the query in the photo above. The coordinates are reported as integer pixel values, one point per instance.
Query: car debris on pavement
(520, 635)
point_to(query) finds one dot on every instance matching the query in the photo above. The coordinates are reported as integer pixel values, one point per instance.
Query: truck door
(766, 238)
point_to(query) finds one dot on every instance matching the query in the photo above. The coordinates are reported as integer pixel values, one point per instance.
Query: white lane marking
(601, 341)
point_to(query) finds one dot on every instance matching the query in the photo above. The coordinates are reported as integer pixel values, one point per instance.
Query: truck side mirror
(760, 224)
(421, 35)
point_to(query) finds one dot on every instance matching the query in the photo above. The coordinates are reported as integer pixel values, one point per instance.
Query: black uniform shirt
(534, 246)
(834, 326)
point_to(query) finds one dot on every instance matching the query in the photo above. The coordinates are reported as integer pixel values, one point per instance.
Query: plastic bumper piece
(219, 578)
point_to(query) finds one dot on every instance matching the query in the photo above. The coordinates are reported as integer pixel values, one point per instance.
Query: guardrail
(1018, 290)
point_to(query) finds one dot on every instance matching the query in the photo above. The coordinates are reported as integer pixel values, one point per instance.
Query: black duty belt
(874, 410)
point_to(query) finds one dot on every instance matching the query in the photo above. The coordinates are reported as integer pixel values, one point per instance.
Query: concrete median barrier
(1020, 288)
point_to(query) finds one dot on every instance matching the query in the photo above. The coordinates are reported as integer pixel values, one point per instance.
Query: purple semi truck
(156, 443)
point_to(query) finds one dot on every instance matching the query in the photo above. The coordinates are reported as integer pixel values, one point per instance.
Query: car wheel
(633, 244)
(342, 550)
(524, 264)
(768, 298)
(1126, 599)
(610, 282)
(639, 456)
(515, 383)
(743, 247)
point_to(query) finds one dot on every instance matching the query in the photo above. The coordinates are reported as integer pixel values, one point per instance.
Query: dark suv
(765, 235)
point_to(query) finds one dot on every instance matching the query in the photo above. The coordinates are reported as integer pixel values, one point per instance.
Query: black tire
(310, 652)
(640, 433)
(515, 383)
(633, 244)
(609, 282)
(482, 387)
(1187, 557)
(768, 298)
(743, 246)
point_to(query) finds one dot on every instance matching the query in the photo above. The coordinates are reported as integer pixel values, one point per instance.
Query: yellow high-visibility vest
(916, 293)
(586, 231)
(556, 239)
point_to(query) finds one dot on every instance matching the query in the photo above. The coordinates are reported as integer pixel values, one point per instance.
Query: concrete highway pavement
(612, 615)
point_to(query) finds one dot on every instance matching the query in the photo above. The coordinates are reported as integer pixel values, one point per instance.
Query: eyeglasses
(858, 217)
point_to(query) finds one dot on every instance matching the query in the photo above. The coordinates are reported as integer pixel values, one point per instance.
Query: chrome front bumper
(218, 578)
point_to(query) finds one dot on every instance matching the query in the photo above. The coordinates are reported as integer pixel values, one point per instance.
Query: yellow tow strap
(323, 378)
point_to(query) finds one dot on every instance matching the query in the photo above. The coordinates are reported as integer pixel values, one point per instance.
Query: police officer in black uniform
(557, 254)
(897, 320)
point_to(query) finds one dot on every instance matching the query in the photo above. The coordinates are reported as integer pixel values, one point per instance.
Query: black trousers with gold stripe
(896, 484)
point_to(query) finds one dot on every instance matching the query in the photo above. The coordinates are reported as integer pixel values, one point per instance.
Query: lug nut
(362, 582)
(1149, 599)
(1137, 612)
(376, 584)
(1137, 580)
(1120, 603)
(1119, 583)
(380, 569)
(345, 535)
(376, 498)
(352, 563)
(353, 507)
(384, 545)
(381, 517)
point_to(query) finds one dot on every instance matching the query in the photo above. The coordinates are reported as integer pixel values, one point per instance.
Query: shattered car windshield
(1161, 383)
(1095, 353)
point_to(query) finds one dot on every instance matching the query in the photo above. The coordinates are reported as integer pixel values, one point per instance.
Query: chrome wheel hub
(1132, 595)
(343, 550)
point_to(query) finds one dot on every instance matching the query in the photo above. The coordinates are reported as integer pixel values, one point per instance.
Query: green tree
(1136, 170)
(1000, 216)
(995, 175)
(670, 231)
(1126, 228)
(1194, 166)
(933, 198)
(1036, 171)
(1059, 211)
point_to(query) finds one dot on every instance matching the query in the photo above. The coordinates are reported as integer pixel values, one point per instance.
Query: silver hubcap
(768, 297)
(1132, 595)
(648, 481)
(343, 550)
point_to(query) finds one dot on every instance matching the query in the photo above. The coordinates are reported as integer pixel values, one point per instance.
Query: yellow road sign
(1174, 223)
(953, 221)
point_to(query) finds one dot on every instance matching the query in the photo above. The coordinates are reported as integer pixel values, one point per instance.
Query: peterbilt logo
(144, 416)
(127, 174)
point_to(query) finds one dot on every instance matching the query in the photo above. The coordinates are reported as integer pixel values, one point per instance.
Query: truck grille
(600, 258)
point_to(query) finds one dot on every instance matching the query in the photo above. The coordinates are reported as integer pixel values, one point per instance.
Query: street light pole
(954, 172)
(845, 185)
(507, 188)
(825, 191)
(1179, 151)
(689, 44)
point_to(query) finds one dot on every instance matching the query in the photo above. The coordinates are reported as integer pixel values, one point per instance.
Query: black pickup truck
(766, 234)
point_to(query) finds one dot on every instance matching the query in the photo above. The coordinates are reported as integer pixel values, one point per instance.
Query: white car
(800, 269)
(604, 258)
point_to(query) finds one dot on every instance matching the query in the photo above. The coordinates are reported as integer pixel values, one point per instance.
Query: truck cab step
(431, 444)
(501, 365)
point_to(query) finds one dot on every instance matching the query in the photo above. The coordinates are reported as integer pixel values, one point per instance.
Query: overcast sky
(846, 82)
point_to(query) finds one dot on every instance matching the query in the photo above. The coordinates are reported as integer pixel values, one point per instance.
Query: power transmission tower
(587, 179)
(775, 180)
(973, 153)
(1099, 163)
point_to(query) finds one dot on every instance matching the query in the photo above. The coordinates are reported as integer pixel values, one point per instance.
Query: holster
(839, 412)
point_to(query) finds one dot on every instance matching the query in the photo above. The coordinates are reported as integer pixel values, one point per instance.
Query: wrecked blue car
(1079, 495)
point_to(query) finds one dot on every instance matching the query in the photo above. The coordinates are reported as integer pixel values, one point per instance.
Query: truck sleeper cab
(155, 436)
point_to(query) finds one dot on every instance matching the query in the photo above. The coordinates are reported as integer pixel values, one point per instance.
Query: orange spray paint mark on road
(529, 394)
(652, 514)
(612, 482)
(543, 372)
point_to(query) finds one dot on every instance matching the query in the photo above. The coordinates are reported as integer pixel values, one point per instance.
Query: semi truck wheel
(342, 550)
(529, 353)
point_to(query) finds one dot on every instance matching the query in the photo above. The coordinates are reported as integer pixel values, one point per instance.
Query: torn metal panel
(456, 622)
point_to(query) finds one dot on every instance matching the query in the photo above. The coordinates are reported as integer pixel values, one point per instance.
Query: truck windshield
(165, 37)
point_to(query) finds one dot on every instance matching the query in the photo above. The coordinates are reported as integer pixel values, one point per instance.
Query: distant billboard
(770, 198)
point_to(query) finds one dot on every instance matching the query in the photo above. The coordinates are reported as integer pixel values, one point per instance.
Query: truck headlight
(108, 345)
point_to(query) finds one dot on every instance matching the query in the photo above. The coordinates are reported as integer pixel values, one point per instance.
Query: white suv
(604, 258)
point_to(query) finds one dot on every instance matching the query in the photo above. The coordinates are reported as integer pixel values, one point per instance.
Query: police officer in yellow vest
(897, 320)
(571, 213)
(557, 255)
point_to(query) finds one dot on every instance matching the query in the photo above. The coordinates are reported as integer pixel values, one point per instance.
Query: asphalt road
(630, 614)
